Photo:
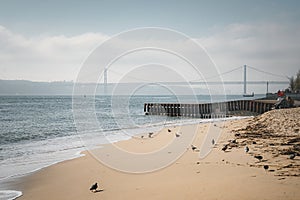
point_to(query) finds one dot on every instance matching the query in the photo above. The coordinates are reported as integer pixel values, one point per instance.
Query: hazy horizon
(25, 87)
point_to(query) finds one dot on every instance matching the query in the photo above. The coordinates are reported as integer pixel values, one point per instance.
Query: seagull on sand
(193, 147)
(246, 149)
(150, 135)
(94, 187)
(233, 141)
(292, 156)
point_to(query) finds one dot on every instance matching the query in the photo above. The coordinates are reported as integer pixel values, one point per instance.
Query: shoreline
(13, 183)
(229, 169)
(80, 153)
(17, 180)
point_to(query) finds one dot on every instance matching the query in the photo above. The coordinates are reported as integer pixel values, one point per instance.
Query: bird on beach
(258, 157)
(225, 147)
(233, 141)
(150, 135)
(292, 156)
(246, 149)
(193, 147)
(169, 130)
(94, 187)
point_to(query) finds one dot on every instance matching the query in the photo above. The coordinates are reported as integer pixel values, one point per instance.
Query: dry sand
(231, 174)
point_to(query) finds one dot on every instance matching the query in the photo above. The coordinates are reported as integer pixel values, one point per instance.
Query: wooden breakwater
(208, 110)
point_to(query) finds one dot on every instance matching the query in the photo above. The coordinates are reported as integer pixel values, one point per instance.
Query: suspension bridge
(244, 82)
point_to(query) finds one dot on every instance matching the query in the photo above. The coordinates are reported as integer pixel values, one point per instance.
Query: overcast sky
(50, 40)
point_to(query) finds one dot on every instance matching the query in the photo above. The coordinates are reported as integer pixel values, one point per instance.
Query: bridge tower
(245, 79)
(105, 81)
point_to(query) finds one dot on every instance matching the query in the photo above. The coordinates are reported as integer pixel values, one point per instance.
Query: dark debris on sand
(276, 134)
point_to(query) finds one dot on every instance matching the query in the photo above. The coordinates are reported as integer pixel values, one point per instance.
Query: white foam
(9, 194)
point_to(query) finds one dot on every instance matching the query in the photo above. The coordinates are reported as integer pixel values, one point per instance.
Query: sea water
(38, 131)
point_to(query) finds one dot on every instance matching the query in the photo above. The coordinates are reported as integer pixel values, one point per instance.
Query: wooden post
(247, 105)
(259, 107)
(159, 109)
(189, 110)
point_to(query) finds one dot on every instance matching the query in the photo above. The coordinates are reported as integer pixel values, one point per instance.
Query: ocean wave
(9, 194)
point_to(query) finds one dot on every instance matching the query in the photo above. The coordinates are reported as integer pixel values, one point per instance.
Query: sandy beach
(230, 173)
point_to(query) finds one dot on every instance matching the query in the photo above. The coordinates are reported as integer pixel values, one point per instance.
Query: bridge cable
(269, 73)
(219, 75)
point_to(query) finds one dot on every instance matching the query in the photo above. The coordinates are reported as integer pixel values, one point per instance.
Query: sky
(51, 40)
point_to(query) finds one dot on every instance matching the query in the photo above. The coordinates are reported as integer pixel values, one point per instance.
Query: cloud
(45, 58)
(269, 46)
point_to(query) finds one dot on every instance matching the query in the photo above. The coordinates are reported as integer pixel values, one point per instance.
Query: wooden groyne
(208, 110)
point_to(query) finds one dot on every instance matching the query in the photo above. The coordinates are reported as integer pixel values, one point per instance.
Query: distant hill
(24, 87)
